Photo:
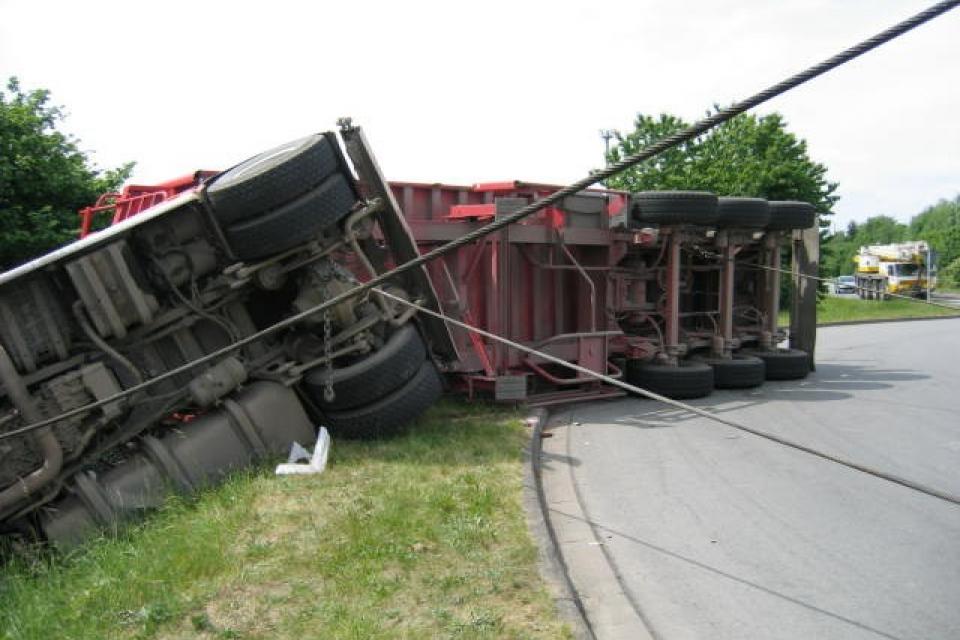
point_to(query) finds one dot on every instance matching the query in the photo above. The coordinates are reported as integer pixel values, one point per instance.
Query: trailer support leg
(803, 313)
(723, 346)
(672, 308)
(771, 291)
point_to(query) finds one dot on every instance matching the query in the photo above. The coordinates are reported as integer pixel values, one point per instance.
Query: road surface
(713, 533)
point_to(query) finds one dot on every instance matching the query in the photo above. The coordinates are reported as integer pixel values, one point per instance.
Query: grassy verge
(832, 309)
(421, 536)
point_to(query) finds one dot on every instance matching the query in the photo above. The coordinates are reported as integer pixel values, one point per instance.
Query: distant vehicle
(846, 284)
(900, 268)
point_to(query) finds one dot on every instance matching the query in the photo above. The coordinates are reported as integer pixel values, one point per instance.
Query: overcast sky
(463, 92)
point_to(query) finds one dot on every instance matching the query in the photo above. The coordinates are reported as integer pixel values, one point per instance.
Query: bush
(949, 276)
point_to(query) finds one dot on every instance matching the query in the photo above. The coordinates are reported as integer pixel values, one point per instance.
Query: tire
(373, 377)
(788, 214)
(674, 207)
(738, 372)
(784, 364)
(689, 380)
(748, 213)
(293, 223)
(271, 179)
(389, 415)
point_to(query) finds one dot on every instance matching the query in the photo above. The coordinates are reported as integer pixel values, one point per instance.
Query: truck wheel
(750, 213)
(689, 380)
(738, 372)
(674, 207)
(293, 223)
(788, 214)
(784, 364)
(272, 178)
(389, 415)
(373, 377)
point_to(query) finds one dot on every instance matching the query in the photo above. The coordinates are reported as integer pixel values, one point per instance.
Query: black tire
(786, 214)
(391, 414)
(689, 380)
(674, 207)
(738, 372)
(373, 377)
(271, 179)
(294, 223)
(784, 364)
(748, 213)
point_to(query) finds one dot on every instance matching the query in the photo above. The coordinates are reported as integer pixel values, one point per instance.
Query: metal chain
(328, 393)
(651, 151)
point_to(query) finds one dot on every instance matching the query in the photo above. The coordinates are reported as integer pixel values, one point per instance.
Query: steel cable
(705, 253)
(910, 484)
(807, 276)
(645, 154)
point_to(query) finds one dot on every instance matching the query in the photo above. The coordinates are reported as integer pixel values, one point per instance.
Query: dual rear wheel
(381, 393)
(278, 200)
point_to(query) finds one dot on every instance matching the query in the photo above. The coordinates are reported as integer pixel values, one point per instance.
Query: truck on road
(902, 268)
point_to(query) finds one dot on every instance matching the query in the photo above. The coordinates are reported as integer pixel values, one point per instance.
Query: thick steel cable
(644, 154)
(700, 251)
(910, 484)
(808, 276)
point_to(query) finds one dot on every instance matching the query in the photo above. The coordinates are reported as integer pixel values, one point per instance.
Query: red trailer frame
(582, 280)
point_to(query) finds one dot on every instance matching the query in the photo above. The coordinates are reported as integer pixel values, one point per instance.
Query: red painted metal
(137, 198)
(576, 280)
(475, 211)
(545, 282)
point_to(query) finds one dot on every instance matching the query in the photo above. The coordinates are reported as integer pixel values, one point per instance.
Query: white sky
(469, 92)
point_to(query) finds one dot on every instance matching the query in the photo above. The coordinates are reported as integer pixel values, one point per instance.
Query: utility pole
(607, 135)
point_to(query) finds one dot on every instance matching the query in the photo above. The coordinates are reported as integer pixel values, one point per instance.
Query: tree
(746, 156)
(44, 177)
(940, 226)
(950, 274)
(837, 251)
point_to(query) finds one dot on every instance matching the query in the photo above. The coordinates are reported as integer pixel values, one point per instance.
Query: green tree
(837, 250)
(940, 226)
(950, 274)
(44, 177)
(753, 156)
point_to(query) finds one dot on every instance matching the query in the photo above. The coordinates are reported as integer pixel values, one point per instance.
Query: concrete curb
(606, 607)
(552, 565)
(844, 323)
(847, 323)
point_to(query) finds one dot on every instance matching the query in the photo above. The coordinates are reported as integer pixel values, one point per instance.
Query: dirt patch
(248, 608)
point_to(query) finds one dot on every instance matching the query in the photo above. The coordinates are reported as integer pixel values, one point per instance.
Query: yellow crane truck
(901, 268)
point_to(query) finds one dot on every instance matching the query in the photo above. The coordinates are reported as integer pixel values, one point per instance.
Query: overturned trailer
(677, 291)
(180, 344)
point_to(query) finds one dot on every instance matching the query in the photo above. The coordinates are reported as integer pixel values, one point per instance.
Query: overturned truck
(178, 343)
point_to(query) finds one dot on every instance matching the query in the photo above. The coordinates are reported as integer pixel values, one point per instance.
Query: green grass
(420, 536)
(831, 309)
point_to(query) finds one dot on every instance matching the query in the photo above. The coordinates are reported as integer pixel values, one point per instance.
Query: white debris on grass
(316, 462)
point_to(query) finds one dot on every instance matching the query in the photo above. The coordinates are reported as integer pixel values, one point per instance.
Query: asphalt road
(713, 533)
